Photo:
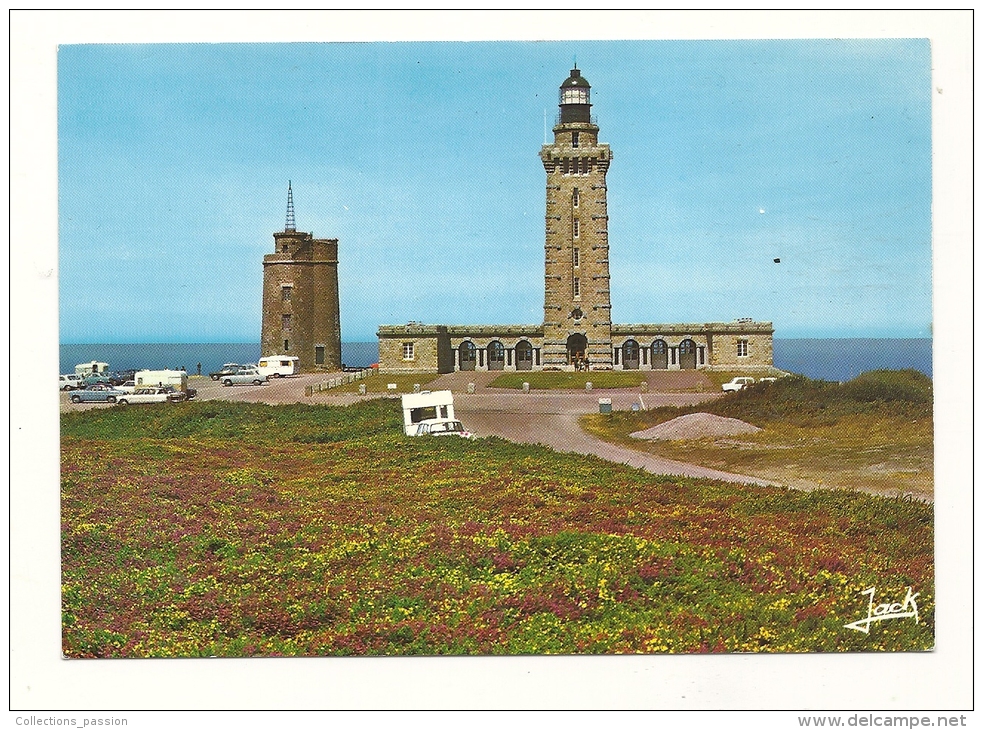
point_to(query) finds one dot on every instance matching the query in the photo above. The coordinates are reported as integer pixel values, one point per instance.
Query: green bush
(890, 385)
(801, 401)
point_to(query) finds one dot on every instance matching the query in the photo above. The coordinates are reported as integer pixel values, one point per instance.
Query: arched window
(467, 355)
(687, 355)
(630, 354)
(496, 355)
(523, 355)
(660, 355)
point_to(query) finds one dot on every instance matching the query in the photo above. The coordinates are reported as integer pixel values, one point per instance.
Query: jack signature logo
(885, 611)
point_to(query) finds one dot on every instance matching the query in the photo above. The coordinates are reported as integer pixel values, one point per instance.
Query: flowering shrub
(252, 530)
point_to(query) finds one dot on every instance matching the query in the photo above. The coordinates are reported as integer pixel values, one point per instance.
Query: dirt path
(553, 421)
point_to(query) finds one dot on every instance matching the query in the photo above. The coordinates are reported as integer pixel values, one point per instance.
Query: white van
(431, 413)
(277, 366)
(91, 368)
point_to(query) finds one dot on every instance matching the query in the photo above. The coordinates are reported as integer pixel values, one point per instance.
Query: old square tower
(577, 306)
(301, 312)
(577, 330)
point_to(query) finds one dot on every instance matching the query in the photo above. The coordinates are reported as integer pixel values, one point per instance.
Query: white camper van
(277, 366)
(91, 368)
(431, 413)
(178, 379)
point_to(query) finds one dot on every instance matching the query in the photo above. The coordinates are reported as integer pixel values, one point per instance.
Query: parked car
(129, 386)
(229, 368)
(737, 384)
(121, 376)
(244, 377)
(442, 427)
(97, 394)
(92, 380)
(177, 395)
(70, 382)
(767, 380)
(151, 395)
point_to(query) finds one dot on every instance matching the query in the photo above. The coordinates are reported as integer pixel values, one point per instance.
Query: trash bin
(604, 405)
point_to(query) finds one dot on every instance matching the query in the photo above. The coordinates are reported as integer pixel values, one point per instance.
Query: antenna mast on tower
(291, 224)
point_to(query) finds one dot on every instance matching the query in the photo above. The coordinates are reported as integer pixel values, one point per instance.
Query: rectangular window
(742, 348)
(576, 286)
(576, 258)
(286, 321)
(576, 197)
(287, 291)
(407, 350)
(319, 354)
(576, 228)
(286, 345)
(576, 139)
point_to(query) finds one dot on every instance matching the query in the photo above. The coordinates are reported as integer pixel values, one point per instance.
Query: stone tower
(577, 307)
(301, 312)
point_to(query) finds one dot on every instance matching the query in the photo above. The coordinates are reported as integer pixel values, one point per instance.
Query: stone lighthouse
(577, 306)
(301, 311)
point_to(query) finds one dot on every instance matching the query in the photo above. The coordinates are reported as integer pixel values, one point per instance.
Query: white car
(244, 377)
(442, 427)
(150, 395)
(70, 382)
(737, 384)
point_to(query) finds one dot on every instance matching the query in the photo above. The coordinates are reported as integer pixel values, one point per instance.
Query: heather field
(234, 529)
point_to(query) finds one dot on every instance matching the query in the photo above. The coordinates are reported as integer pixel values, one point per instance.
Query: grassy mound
(873, 432)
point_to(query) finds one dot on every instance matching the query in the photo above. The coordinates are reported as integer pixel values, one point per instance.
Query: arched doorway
(687, 355)
(523, 355)
(496, 355)
(467, 355)
(577, 350)
(630, 355)
(660, 355)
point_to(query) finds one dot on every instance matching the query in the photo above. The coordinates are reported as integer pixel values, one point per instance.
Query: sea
(820, 359)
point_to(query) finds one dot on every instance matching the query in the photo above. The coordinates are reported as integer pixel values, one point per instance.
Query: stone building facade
(577, 329)
(301, 312)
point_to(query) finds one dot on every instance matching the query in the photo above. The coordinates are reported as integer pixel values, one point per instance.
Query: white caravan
(277, 366)
(91, 368)
(161, 378)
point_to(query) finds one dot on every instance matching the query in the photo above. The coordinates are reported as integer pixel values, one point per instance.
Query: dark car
(121, 376)
(229, 368)
(98, 393)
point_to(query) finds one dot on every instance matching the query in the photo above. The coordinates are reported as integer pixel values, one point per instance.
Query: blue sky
(421, 158)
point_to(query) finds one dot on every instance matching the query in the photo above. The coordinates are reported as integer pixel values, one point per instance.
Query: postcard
(601, 350)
